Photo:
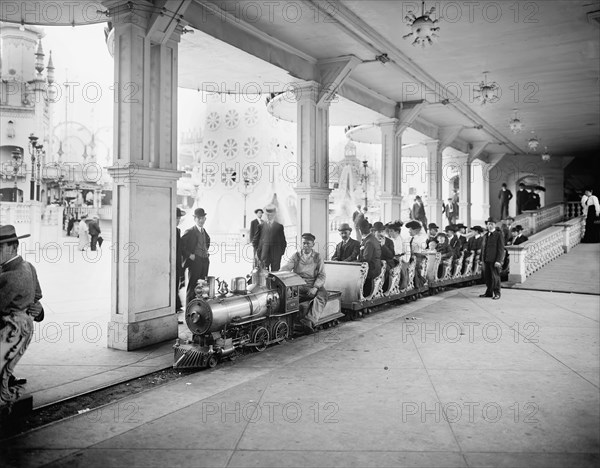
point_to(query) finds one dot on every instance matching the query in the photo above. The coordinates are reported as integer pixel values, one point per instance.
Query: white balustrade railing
(573, 210)
(542, 248)
(538, 220)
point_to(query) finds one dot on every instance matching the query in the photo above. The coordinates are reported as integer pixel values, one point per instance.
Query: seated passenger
(418, 245)
(443, 246)
(400, 256)
(453, 242)
(518, 236)
(370, 252)
(474, 242)
(347, 250)
(461, 235)
(308, 264)
(387, 244)
(433, 232)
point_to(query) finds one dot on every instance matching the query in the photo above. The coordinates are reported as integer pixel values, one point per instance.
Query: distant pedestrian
(254, 228)
(94, 231)
(70, 224)
(418, 212)
(522, 198)
(358, 221)
(179, 271)
(83, 233)
(591, 209)
(505, 197)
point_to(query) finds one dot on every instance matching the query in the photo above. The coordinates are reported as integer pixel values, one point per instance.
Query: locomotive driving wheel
(281, 331)
(212, 362)
(261, 336)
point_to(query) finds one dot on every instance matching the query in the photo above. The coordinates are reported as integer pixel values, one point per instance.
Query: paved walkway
(449, 380)
(578, 271)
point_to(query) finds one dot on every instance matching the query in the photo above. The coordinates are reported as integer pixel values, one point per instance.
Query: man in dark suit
(453, 241)
(505, 196)
(370, 252)
(256, 222)
(535, 201)
(347, 250)
(492, 257)
(518, 236)
(269, 241)
(195, 243)
(387, 245)
(179, 272)
(522, 198)
(418, 211)
(461, 236)
(254, 228)
(362, 215)
(94, 230)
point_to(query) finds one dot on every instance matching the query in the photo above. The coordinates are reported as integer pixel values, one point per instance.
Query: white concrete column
(434, 182)
(144, 185)
(312, 187)
(465, 188)
(485, 195)
(391, 175)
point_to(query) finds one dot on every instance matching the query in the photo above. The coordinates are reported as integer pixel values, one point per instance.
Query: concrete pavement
(449, 380)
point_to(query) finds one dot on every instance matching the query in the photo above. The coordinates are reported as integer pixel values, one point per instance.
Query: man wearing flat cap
(195, 243)
(309, 265)
(347, 250)
(269, 241)
(492, 257)
(20, 294)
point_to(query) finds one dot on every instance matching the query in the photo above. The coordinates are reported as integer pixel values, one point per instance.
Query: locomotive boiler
(224, 323)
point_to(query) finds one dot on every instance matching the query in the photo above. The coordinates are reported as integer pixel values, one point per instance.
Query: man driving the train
(309, 265)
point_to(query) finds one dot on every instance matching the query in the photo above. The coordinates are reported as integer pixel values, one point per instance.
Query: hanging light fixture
(533, 143)
(545, 155)
(424, 29)
(487, 92)
(515, 125)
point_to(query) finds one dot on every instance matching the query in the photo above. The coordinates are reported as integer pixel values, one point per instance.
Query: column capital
(313, 191)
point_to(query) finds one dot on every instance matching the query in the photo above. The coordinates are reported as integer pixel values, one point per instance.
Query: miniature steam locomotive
(224, 323)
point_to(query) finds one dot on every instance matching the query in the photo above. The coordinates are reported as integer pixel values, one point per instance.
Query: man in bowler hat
(195, 243)
(269, 241)
(347, 250)
(492, 257)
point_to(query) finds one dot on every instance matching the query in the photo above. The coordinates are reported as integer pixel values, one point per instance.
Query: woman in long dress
(591, 209)
(83, 231)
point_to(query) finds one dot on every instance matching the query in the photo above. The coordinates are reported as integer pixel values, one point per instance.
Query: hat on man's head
(364, 225)
(258, 209)
(490, 220)
(308, 236)
(180, 212)
(479, 229)
(344, 227)
(199, 213)
(461, 226)
(450, 227)
(270, 209)
(432, 226)
(378, 226)
(517, 228)
(413, 224)
(8, 234)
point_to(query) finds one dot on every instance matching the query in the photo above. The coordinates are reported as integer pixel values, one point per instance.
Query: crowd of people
(88, 231)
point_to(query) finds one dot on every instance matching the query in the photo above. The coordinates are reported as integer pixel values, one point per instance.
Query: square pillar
(434, 182)
(312, 187)
(465, 190)
(485, 199)
(144, 182)
(391, 174)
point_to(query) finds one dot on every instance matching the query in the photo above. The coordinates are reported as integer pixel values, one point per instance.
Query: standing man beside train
(269, 241)
(492, 257)
(195, 243)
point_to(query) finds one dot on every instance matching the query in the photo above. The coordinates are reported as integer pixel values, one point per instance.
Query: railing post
(518, 267)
